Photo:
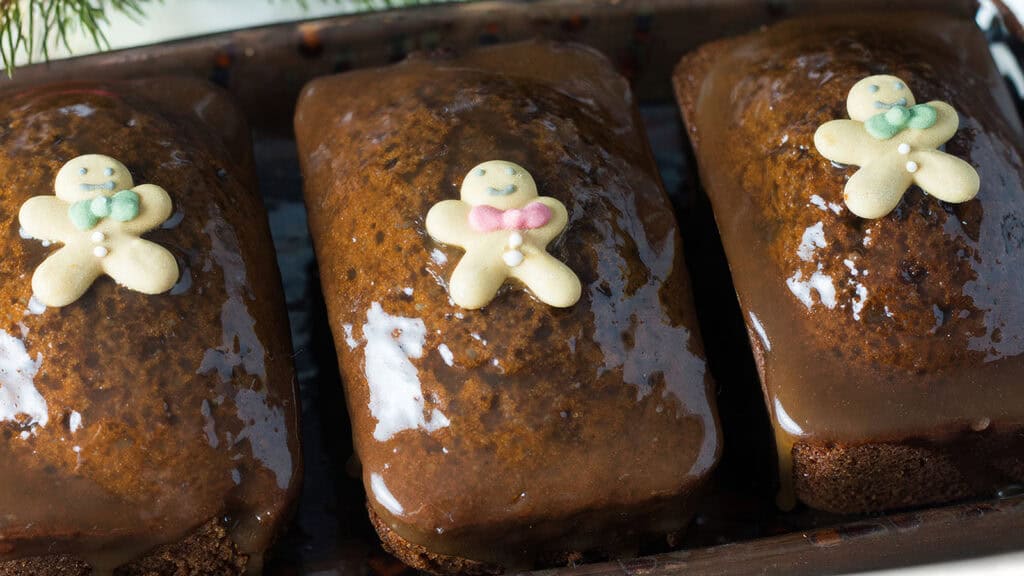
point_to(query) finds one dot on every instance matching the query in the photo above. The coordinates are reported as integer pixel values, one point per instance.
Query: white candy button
(911, 166)
(100, 251)
(513, 258)
(515, 240)
(903, 148)
(98, 236)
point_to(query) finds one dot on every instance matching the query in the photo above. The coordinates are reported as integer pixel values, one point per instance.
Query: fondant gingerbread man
(98, 215)
(894, 142)
(504, 227)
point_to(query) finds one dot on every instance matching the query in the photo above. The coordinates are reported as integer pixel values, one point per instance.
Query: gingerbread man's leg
(875, 189)
(65, 276)
(945, 176)
(477, 278)
(142, 266)
(548, 278)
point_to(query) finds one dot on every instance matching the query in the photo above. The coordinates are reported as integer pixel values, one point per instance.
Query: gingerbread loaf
(147, 397)
(865, 174)
(506, 288)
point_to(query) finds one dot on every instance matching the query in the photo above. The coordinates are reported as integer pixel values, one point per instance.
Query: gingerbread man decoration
(504, 227)
(895, 141)
(98, 214)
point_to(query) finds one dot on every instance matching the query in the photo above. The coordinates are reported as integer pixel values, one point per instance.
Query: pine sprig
(37, 26)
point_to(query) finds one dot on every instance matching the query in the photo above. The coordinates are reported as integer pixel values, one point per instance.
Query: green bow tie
(123, 207)
(887, 124)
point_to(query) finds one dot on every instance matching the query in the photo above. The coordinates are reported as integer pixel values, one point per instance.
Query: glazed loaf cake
(889, 344)
(147, 396)
(499, 422)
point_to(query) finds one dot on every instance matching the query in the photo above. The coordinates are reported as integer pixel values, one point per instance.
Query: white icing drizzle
(760, 331)
(35, 306)
(446, 354)
(18, 394)
(352, 342)
(396, 395)
(825, 206)
(858, 305)
(853, 268)
(384, 496)
(74, 421)
(813, 238)
(818, 282)
(438, 257)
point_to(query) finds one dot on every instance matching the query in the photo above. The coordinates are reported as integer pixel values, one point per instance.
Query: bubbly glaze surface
(137, 418)
(910, 325)
(549, 430)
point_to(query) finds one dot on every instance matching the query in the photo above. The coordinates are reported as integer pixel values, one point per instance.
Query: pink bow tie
(488, 218)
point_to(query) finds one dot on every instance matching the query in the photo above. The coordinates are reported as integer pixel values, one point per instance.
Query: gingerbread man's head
(89, 176)
(876, 94)
(500, 184)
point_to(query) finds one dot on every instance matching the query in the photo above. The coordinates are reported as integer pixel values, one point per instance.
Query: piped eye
(108, 171)
(479, 172)
(83, 171)
(510, 171)
(898, 86)
(873, 88)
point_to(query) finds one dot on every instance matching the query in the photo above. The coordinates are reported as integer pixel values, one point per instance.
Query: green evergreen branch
(37, 26)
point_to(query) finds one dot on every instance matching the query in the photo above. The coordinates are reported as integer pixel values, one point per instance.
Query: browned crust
(146, 449)
(875, 471)
(207, 551)
(880, 476)
(62, 565)
(420, 558)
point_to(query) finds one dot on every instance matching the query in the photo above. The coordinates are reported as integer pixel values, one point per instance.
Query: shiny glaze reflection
(562, 424)
(909, 325)
(140, 447)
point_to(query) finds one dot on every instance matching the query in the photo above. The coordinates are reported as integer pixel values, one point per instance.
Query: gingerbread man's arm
(448, 223)
(155, 208)
(946, 177)
(946, 124)
(845, 142)
(46, 218)
(555, 226)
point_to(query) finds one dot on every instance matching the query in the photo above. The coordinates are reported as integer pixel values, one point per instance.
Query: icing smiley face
(498, 183)
(504, 227)
(876, 94)
(90, 176)
(99, 216)
(895, 142)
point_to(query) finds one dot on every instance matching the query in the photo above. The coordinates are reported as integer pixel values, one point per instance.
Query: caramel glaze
(568, 429)
(187, 400)
(935, 351)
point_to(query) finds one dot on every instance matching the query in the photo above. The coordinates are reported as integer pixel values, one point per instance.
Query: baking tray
(738, 530)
